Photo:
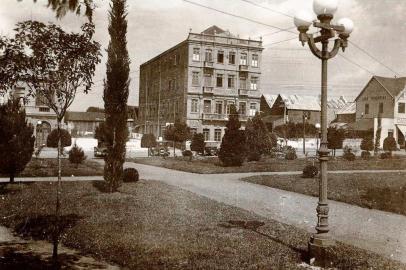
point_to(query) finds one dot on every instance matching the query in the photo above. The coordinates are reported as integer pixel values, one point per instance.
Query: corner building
(198, 80)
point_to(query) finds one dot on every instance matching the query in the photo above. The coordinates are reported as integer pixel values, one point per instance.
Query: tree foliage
(116, 95)
(53, 138)
(198, 143)
(389, 144)
(179, 132)
(101, 133)
(233, 149)
(16, 139)
(367, 144)
(258, 138)
(295, 130)
(335, 138)
(76, 155)
(61, 7)
(148, 140)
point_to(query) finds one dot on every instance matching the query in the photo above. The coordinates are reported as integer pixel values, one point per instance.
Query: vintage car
(100, 150)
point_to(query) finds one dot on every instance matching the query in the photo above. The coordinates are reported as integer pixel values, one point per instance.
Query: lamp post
(318, 135)
(304, 132)
(324, 10)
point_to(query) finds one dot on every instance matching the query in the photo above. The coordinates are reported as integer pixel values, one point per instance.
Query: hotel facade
(198, 80)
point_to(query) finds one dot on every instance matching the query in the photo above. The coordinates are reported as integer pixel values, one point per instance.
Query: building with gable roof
(198, 80)
(381, 107)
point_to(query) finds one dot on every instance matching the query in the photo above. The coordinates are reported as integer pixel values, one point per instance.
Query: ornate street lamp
(341, 30)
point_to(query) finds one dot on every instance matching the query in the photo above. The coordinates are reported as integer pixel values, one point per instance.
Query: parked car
(100, 150)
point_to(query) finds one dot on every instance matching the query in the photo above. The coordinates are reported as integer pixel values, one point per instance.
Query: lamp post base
(318, 249)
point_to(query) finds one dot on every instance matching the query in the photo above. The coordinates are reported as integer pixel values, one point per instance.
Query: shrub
(310, 171)
(389, 145)
(76, 155)
(52, 139)
(385, 155)
(258, 139)
(198, 143)
(253, 156)
(187, 153)
(290, 154)
(367, 144)
(365, 155)
(148, 141)
(348, 154)
(130, 175)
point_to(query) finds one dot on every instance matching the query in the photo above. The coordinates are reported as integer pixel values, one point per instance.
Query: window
(195, 78)
(229, 103)
(243, 59)
(208, 80)
(401, 107)
(208, 56)
(217, 135)
(243, 83)
(44, 109)
(253, 109)
(176, 60)
(219, 107)
(207, 106)
(231, 83)
(243, 108)
(40, 100)
(194, 105)
(254, 83)
(366, 111)
(231, 58)
(381, 107)
(206, 134)
(220, 57)
(196, 54)
(254, 61)
(219, 82)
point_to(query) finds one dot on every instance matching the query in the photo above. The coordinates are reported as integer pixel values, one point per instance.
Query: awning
(402, 128)
(362, 124)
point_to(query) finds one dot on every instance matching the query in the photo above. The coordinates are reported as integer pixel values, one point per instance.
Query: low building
(381, 107)
(346, 114)
(293, 108)
(82, 124)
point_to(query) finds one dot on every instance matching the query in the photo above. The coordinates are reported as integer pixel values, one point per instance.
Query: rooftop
(394, 86)
(84, 116)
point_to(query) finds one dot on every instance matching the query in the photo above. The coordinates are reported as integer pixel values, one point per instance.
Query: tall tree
(179, 132)
(16, 139)
(53, 64)
(335, 138)
(116, 94)
(233, 148)
(198, 143)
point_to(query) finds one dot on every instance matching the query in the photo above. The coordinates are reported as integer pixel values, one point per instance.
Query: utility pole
(304, 132)
(159, 102)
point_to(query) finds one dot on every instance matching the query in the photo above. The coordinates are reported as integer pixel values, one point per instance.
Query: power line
(373, 57)
(240, 17)
(270, 9)
(354, 63)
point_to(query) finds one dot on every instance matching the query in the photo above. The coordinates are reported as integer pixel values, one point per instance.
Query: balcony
(242, 92)
(208, 90)
(208, 64)
(243, 68)
(214, 116)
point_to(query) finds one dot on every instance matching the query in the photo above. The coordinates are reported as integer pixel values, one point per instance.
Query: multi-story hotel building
(198, 80)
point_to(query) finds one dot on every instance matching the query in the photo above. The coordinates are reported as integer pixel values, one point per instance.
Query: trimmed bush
(198, 143)
(253, 156)
(348, 154)
(76, 155)
(385, 155)
(130, 175)
(187, 153)
(310, 171)
(389, 145)
(52, 139)
(365, 155)
(291, 154)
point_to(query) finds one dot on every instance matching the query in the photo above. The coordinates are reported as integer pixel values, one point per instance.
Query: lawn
(208, 165)
(40, 167)
(383, 191)
(149, 225)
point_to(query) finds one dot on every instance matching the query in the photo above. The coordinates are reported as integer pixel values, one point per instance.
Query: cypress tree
(258, 139)
(232, 149)
(116, 94)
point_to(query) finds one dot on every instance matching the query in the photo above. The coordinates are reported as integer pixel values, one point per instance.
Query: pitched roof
(306, 103)
(213, 30)
(349, 108)
(84, 116)
(270, 99)
(394, 86)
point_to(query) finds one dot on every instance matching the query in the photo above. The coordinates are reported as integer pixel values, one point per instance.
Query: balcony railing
(243, 92)
(222, 117)
(207, 89)
(208, 64)
(244, 68)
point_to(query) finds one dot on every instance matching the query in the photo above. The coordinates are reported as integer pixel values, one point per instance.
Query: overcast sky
(287, 67)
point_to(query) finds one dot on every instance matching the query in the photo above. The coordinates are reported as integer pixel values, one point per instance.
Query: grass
(42, 167)
(210, 165)
(383, 191)
(149, 225)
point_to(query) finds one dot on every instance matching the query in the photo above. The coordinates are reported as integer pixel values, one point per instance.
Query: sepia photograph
(202, 134)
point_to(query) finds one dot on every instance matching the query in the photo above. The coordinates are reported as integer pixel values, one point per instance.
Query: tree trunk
(12, 177)
(173, 148)
(58, 202)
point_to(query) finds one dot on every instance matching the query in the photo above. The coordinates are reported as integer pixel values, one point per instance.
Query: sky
(156, 25)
